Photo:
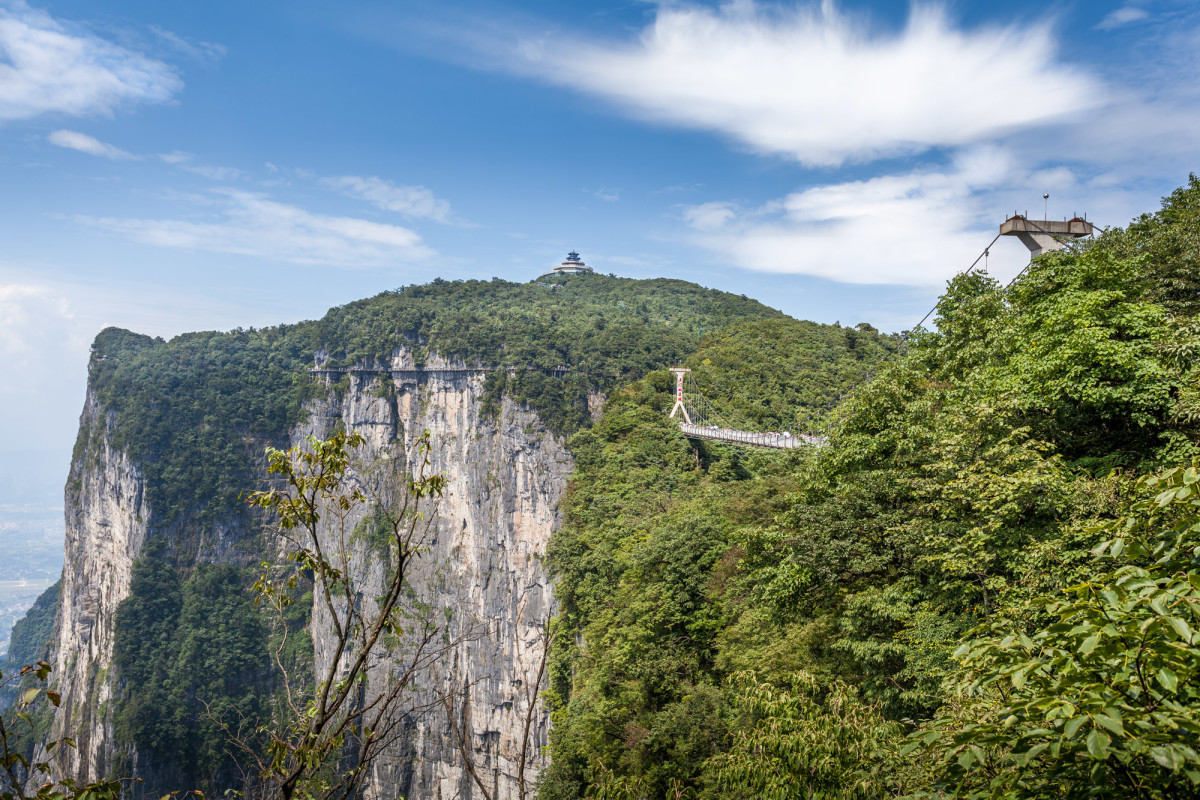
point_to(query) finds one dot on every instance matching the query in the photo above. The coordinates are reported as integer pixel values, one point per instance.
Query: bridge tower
(680, 372)
(1043, 235)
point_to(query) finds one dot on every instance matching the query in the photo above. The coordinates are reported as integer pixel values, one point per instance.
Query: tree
(806, 742)
(332, 722)
(22, 777)
(1104, 701)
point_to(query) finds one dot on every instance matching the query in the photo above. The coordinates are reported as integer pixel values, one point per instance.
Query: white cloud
(917, 229)
(812, 85)
(253, 225)
(47, 68)
(74, 140)
(187, 162)
(200, 51)
(30, 319)
(1120, 17)
(710, 216)
(411, 201)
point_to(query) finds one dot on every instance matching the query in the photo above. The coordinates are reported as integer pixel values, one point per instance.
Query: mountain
(156, 640)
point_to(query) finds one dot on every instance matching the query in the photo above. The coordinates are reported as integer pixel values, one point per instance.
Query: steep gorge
(155, 620)
(505, 476)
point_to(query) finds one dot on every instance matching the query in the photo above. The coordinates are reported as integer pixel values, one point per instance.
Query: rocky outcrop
(482, 569)
(106, 525)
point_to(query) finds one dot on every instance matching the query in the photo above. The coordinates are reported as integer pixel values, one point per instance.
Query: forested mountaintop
(184, 407)
(987, 585)
(194, 413)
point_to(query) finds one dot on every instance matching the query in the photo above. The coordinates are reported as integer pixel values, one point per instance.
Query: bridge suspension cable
(701, 420)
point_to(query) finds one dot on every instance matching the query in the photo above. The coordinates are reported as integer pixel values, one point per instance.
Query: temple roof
(572, 266)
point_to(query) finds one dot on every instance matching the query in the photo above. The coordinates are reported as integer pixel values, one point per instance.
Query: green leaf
(1111, 721)
(1167, 678)
(1073, 725)
(1181, 628)
(1166, 757)
(1097, 744)
(1032, 753)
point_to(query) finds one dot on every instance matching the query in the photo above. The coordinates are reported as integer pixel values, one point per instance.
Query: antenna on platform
(1046, 205)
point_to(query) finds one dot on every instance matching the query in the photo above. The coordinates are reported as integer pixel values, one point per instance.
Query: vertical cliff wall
(483, 565)
(106, 524)
(505, 476)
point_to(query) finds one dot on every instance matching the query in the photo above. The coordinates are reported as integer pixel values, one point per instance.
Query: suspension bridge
(698, 419)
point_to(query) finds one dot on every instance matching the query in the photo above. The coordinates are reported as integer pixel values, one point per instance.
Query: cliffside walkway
(697, 418)
(419, 374)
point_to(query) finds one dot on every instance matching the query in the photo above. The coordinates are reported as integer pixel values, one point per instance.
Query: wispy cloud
(411, 201)
(607, 195)
(248, 224)
(812, 85)
(49, 67)
(1121, 17)
(74, 140)
(918, 228)
(188, 163)
(198, 50)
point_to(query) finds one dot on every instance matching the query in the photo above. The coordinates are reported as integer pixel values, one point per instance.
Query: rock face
(505, 475)
(106, 524)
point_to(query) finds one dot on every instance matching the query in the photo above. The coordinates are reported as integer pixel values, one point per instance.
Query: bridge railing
(778, 441)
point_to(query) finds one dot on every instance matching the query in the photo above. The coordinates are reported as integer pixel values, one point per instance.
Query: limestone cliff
(106, 524)
(505, 476)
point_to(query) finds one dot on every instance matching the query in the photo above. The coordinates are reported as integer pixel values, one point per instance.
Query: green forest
(196, 412)
(987, 585)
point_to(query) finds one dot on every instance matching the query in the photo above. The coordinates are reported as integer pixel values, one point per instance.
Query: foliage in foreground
(330, 727)
(1104, 701)
(24, 776)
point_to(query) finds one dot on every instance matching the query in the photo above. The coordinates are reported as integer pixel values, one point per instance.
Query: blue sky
(179, 166)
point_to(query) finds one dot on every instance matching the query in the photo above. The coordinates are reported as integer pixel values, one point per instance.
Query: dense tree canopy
(195, 412)
(792, 625)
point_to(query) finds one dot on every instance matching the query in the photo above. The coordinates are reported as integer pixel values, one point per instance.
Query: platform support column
(680, 372)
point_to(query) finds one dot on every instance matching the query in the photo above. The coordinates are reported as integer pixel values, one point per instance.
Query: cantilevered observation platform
(1044, 235)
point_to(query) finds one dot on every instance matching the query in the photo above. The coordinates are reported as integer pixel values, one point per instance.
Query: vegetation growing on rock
(735, 622)
(195, 412)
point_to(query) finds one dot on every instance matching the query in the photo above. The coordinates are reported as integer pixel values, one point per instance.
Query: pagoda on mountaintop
(572, 266)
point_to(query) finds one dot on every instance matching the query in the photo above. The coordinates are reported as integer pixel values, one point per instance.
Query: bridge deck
(775, 440)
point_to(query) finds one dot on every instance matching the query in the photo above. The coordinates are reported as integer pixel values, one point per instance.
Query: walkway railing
(419, 374)
(779, 441)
